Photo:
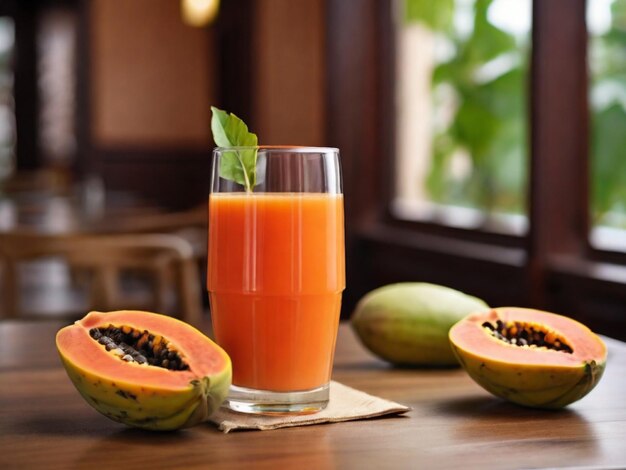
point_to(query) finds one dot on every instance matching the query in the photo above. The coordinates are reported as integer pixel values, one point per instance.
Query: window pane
(56, 79)
(7, 103)
(606, 22)
(461, 112)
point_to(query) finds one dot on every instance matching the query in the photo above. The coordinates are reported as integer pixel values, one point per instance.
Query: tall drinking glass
(275, 276)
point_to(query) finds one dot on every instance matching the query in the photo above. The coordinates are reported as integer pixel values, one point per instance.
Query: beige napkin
(345, 404)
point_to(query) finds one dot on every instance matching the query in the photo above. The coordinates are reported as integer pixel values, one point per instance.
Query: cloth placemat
(345, 404)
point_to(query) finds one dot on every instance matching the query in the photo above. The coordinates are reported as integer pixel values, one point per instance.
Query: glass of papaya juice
(276, 273)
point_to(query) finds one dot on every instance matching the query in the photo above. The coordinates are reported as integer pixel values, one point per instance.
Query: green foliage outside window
(608, 120)
(489, 119)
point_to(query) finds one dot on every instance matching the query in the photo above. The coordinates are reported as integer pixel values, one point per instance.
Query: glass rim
(280, 148)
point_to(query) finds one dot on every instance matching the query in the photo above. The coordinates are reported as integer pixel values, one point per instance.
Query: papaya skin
(539, 378)
(407, 323)
(182, 399)
(149, 407)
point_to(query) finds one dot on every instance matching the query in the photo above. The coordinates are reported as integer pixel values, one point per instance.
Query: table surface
(66, 214)
(45, 424)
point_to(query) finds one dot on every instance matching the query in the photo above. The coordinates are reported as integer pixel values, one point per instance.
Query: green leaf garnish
(239, 165)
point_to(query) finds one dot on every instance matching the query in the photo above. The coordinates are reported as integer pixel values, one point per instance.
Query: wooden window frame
(554, 267)
(24, 15)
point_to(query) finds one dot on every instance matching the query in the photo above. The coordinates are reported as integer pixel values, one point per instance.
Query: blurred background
(482, 144)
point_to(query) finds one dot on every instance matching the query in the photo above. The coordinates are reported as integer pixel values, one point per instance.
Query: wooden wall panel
(289, 89)
(152, 77)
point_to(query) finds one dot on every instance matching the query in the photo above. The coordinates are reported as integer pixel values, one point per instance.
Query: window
(38, 103)
(7, 102)
(56, 83)
(398, 220)
(462, 69)
(606, 22)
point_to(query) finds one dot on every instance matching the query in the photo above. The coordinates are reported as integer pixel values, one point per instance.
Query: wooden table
(67, 214)
(454, 424)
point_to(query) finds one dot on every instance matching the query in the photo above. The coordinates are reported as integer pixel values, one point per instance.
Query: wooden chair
(168, 259)
(190, 224)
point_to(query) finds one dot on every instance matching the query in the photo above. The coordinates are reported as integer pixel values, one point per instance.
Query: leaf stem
(245, 173)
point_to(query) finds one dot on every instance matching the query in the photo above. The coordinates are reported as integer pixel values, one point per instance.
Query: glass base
(249, 400)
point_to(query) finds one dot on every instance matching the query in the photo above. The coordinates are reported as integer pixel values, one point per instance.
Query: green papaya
(408, 323)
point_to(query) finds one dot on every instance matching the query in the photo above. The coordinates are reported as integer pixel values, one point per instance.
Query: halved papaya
(529, 357)
(145, 370)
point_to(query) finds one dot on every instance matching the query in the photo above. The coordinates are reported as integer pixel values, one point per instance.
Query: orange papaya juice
(275, 277)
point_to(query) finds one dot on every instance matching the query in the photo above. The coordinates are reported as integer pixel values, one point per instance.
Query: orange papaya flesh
(145, 370)
(530, 357)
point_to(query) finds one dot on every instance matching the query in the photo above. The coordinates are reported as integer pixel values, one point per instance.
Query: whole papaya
(408, 323)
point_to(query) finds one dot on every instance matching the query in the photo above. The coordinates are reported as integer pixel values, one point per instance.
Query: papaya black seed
(521, 334)
(133, 345)
(95, 333)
